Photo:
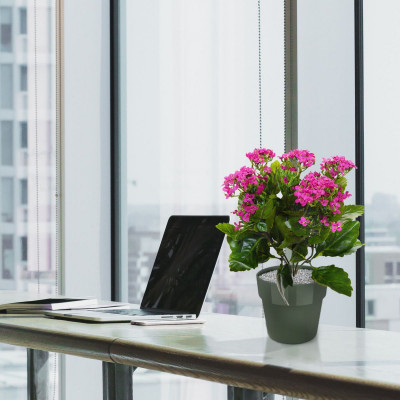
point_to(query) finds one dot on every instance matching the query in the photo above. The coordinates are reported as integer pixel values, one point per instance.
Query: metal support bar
(291, 118)
(38, 375)
(359, 134)
(117, 381)
(235, 393)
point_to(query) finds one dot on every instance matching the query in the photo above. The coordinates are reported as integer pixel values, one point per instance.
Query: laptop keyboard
(129, 312)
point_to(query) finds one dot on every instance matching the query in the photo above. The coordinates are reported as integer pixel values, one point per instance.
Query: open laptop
(180, 276)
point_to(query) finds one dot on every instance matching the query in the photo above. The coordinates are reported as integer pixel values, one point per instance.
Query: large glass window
(382, 132)
(191, 112)
(27, 179)
(326, 112)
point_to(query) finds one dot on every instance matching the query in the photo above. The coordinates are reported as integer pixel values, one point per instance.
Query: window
(5, 29)
(7, 257)
(7, 199)
(18, 222)
(23, 83)
(191, 101)
(7, 143)
(389, 268)
(24, 191)
(24, 134)
(22, 21)
(326, 118)
(6, 86)
(370, 308)
(382, 121)
(24, 248)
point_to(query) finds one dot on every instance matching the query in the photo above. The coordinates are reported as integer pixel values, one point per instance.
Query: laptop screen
(184, 264)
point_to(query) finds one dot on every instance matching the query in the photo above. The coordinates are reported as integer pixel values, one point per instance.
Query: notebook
(180, 276)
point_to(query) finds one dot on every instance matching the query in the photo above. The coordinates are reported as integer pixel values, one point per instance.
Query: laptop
(180, 277)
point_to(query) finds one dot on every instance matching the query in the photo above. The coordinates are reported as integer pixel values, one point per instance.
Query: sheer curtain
(191, 113)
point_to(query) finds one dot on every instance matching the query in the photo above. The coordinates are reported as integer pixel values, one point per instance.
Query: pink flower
(285, 179)
(314, 187)
(304, 221)
(325, 221)
(237, 225)
(298, 157)
(336, 165)
(260, 189)
(240, 179)
(336, 226)
(259, 156)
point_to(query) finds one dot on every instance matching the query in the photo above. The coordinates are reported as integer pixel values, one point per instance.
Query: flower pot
(294, 323)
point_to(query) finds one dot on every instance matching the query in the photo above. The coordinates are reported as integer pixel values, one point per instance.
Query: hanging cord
(36, 147)
(259, 72)
(284, 74)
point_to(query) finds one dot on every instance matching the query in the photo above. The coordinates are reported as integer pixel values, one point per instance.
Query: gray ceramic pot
(298, 322)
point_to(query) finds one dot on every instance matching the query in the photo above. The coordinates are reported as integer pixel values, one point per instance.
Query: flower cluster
(259, 156)
(297, 160)
(336, 165)
(239, 180)
(314, 188)
(247, 208)
(320, 194)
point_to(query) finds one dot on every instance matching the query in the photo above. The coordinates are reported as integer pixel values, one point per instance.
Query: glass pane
(6, 86)
(190, 113)
(326, 111)
(382, 121)
(6, 29)
(7, 257)
(24, 134)
(26, 110)
(23, 83)
(22, 21)
(7, 143)
(7, 200)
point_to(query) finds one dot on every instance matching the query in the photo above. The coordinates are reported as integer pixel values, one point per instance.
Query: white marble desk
(340, 363)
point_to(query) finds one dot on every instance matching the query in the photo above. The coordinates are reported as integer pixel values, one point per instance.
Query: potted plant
(293, 216)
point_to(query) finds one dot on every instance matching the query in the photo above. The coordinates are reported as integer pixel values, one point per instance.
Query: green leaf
(355, 247)
(285, 276)
(339, 242)
(341, 181)
(275, 166)
(351, 212)
(292, 213)
(285, 230)
(299, 252)
(335, 278)
(226, 228)
(321, 236)
(243, 256)
(297, 228)
(263, 252)
(266, 213)
(262, 227)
